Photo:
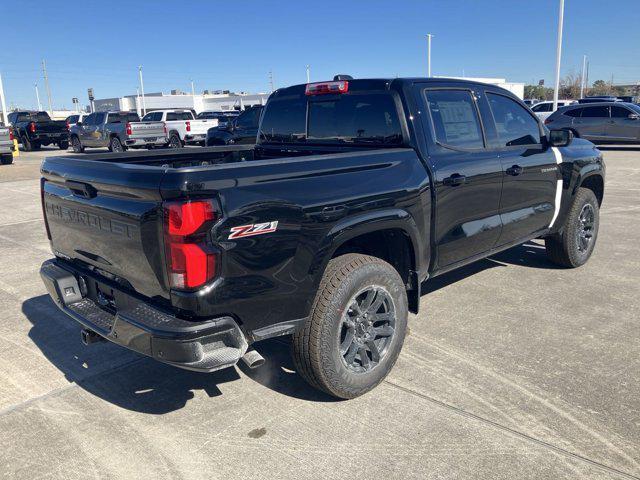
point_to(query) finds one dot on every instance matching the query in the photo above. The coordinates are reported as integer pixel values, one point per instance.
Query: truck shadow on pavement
(144, 385)
(141, 384)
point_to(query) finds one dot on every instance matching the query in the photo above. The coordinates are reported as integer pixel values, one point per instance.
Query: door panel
(467, 177)
(592, 124)
(621, 127)
(531, 171)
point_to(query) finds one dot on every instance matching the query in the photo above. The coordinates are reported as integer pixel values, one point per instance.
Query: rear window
(574, 112)
(365, 119)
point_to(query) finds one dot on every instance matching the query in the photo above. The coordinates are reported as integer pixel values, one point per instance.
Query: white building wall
(516, 88)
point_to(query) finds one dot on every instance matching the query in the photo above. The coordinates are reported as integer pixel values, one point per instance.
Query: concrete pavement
(513, 369)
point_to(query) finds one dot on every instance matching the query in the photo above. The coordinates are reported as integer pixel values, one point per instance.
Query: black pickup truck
(356, 193)
(36, 129)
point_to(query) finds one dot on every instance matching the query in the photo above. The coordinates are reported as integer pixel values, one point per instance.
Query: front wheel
(573, 246)
(26, 144)
(76, 144)
(63, 145)
(356, 328)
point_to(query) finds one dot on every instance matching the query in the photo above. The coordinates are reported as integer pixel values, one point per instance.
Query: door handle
(514, 171)
(454, 180)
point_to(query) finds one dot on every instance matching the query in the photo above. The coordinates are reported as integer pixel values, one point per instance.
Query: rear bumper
(201, 346)
(49, 137)
(141, 142)
(195, 138)
(6, 147)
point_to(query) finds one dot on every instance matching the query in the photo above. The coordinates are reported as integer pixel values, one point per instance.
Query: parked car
(530, 101)
(6, 145)
(599, 99)
(118, 131)
(362, 190)
(36, 129)
(182, 127)
(544, 109)
(241, 130)
(71, 120)
(600, 122)
(223, 117)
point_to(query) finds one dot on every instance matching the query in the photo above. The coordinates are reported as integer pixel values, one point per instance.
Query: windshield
(358, 118)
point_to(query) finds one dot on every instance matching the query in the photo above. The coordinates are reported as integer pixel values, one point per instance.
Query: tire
(328, 350)
(76, 144)
(27, 146)
(6, 159)
(573, 246)
(35, 146)
(63, 145)
(115, 145)
(174, 141)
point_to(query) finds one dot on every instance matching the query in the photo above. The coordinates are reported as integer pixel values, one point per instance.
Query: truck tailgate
(51, 127)
(114, 224)
(5, 139)
(147, 130)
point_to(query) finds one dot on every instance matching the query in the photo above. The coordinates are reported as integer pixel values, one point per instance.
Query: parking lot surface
(514, 368)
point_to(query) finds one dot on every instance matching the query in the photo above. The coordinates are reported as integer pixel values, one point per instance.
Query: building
(217, 100)
(516, 88)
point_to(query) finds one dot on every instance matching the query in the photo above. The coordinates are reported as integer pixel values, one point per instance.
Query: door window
(514, 124)
(90, 120)
(172, 116)
(574, 112)
(542, 107)
(595, 112)
(100, 118)
(619, 112)
(248, 119)
(115, 118)
(455, 118)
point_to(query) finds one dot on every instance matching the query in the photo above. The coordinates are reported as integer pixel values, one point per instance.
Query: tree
(600, 87)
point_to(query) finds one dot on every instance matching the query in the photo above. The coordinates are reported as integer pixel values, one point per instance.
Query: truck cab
(182, 127)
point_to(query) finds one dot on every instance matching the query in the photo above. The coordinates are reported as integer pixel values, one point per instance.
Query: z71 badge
(253, 229)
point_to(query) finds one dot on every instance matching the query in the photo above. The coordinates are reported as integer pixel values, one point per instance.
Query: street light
(558, 55)
(429, 35)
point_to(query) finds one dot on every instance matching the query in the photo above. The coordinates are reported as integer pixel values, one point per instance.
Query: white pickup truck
(6, 145)
(182, 127)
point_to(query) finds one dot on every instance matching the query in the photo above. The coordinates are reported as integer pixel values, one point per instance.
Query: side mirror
(633, 116)
(560, 138)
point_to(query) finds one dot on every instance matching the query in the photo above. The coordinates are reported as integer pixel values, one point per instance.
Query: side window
(455, 118)
(171, 117)
(543, 107)
(133, 117)
(100, 118)
(114, 118)
(574, 112)
(185, 116)
(619, 112)
(245, 119)
(514, 124)
(595, 112)
(90, 120)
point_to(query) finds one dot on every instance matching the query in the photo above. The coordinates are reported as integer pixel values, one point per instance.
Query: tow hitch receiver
(89, 336)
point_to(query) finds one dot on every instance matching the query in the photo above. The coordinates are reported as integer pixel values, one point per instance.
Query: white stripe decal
(556, 153)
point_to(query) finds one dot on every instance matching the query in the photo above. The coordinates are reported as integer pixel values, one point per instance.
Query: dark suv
(599, 122)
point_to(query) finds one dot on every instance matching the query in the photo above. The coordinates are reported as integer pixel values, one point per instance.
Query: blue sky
(234, 44)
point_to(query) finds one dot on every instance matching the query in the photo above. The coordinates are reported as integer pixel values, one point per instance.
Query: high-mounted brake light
(191, 261)
(128, 128)
(32, 127)
(324, 88)
(188, 124)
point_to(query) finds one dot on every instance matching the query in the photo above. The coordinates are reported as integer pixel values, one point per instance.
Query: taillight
(191, 260)
(164, 128)
(188, 126)
(324, 88)
(32, 127)
(547, 121)
(68, 126)
(11, 134)
(128, 128)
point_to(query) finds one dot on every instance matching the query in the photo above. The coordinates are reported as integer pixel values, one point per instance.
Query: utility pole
(144, 106)
(193, 94)
(46, 83)
(138, 108)
(558, 55)
(429, 36)
(308, 73)
(271, 80)
(4, 104)
(583, 79)
(38, 97)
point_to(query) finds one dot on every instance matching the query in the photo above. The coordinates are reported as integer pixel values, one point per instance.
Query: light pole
(38, 98)
(193, 94)
(583, 79)
(4, 104)
(308, 73)
(46, 83)
(429, 36)
(558, 55)
(144, 106)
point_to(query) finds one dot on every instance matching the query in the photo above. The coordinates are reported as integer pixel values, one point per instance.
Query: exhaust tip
(253, 359)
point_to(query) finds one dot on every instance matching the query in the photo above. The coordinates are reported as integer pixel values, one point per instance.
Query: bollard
(16, 150)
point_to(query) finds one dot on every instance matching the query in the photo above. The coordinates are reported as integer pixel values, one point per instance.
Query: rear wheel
(356, 329)
(573, 246)
(63, 145)
(6, 159)
(174, 141)
(27, 146)
(76, 144)
(115, 145)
